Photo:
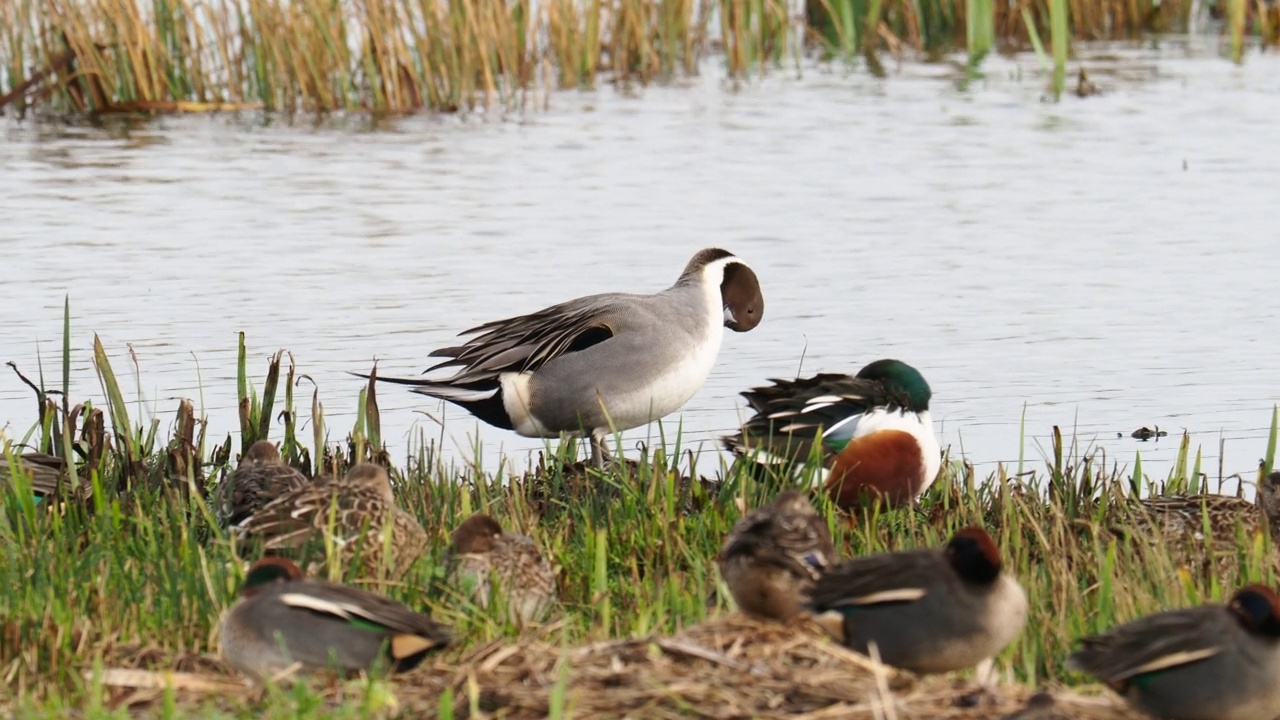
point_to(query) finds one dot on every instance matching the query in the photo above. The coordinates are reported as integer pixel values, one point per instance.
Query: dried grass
(727, 668)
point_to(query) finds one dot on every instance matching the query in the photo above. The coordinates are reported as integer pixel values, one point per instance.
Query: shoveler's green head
(898, 375)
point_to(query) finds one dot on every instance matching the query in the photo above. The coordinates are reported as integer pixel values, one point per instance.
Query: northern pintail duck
(481, 552)
(615, 360)
(365, 508)
(873, 431)
(1211, 662)
(774, 554)
(928, 610)
(283, 618)
(260, 477)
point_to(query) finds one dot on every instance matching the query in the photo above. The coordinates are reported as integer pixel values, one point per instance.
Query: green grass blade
(1059, 39)
(1269, 461)
(1043, 57)
(116, 406)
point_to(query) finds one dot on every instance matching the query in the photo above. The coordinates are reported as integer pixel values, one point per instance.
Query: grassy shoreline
(403, 56)
(136, 574)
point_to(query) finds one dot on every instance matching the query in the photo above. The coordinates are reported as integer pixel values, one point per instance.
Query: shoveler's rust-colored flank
(886, 464)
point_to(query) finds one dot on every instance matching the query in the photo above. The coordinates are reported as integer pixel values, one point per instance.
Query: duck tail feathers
(442, 390)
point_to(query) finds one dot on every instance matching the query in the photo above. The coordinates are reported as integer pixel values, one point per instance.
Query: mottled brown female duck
(363, 511)
(774, 554)
(1181, 522)
(481, 553)
(260, 478)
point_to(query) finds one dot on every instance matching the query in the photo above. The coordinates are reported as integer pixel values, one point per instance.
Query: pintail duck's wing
(527, 342)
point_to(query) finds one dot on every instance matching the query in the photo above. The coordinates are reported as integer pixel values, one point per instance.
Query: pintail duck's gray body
(1211, 662)
(927, 611)
(601, 362)
(774, 554)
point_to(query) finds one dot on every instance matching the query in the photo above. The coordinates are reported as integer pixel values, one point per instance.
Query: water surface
(1106, 262)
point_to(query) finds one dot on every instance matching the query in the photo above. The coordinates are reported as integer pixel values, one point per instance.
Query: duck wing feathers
(874, 579)
(1151, 643)
(527, 342)
(789, 414)
(354, 604)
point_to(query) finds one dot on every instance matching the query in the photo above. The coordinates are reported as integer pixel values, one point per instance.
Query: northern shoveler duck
(480, 552)
(873, 431)
(774, 554)
(365, 508)
(283, 618)
(928, 610)
(260, 477)
(590, 365)
(1211, 662)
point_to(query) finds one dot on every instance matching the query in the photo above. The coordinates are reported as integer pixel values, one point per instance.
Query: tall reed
(398, 56)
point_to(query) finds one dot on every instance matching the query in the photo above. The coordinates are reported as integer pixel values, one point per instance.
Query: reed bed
(401, 56)
(115, 581)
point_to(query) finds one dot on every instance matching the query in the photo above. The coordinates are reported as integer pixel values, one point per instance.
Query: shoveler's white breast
(917, 425)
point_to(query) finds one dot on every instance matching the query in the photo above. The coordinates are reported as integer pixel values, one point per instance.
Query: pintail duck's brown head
(739, 287)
